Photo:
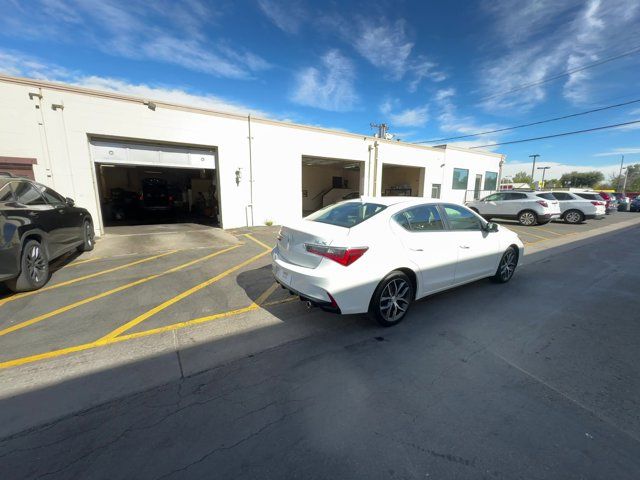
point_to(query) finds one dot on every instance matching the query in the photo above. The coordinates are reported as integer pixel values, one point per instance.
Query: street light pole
(544, 170)
(626, 174)
(620, 174)
(533, 167)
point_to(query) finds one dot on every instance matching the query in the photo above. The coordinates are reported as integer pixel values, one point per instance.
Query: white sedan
(377, 255)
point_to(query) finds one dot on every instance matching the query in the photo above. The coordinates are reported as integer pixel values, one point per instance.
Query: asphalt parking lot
(534, 379)
(97, 301)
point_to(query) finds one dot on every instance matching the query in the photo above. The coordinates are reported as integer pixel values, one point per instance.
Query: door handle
(466, 247)
(416, 249)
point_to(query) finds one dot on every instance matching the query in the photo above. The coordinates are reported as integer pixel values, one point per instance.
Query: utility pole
(382, 129)
(533, 167)
(620, 174)
(544, 170)
(626, 174)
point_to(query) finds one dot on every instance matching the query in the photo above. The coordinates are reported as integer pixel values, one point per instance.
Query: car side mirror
(491, 227)
(70, 201)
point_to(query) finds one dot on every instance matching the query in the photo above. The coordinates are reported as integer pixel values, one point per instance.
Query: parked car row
(539, 208)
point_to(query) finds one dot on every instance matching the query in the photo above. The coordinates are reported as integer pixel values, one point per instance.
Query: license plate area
(283, 275)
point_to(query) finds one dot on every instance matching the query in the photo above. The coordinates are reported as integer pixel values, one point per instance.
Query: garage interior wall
(317, 179)
(399, 177)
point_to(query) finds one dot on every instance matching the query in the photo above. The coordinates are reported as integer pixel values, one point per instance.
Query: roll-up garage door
(131, 153)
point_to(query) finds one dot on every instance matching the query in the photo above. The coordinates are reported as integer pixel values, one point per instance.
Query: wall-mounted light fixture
(33, 95)
(57, 106)
(150, 105)
(238, 175)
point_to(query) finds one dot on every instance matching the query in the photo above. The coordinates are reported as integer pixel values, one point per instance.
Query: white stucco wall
(59, 140)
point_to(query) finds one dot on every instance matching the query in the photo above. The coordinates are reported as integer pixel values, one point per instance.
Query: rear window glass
(346, 214)
(547, 196)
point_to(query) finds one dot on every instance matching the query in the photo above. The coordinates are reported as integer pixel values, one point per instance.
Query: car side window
(459, 218)
(26, 194)
(518, 196)
(424, 218)
(6, 193)
(53, 198)
(508, 196)
(562, 196)
(494, 198)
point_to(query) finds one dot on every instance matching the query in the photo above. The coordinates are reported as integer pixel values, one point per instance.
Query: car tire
(34, 268)
(574, 216)
(393, 293)
(507, 266)
(527, 218)
(88, 237)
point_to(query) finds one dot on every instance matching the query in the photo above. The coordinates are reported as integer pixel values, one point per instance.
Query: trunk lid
(292, 240)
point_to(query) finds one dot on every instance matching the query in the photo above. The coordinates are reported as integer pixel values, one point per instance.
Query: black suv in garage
(36, 226)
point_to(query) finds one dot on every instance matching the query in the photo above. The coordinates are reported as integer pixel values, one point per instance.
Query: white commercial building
(102, 148)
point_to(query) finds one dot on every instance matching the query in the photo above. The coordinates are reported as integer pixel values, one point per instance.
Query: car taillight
(344, 256)
(141, 197)
(596, 203)
(543, 203)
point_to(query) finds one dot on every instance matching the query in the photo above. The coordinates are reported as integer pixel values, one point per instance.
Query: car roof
(388, 201)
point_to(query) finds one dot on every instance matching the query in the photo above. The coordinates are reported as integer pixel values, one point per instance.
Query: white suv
(577, 207)
(528, 208)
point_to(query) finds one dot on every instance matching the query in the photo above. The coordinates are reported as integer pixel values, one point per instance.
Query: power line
(532, 123)
(563, 74)
(564, 134)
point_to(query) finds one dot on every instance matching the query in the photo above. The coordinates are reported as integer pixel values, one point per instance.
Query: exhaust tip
(309, 305)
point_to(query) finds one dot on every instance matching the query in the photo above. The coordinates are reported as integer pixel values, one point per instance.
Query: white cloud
(387, 46)
(453, 124)
(287, 16)
(164, 31)
(17, 64)
(409, 117)
(330, 86)
(557, 169)
(546, 37)
(618, 152)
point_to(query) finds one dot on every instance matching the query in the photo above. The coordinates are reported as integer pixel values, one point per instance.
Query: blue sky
(428, 69)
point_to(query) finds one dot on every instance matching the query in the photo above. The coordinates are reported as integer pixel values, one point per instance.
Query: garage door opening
(144, 183)
(399, 180)
(329, 180)
(144, 195)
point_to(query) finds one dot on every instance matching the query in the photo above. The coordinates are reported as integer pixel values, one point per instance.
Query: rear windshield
(547, 196)
(346, 214)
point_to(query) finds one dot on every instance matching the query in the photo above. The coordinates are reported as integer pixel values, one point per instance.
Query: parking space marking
(82, 262)
(167, 303)
(18, 296)
(549, 231)
(93, 298)
(522, 232)
(248, 235)
(103, 342)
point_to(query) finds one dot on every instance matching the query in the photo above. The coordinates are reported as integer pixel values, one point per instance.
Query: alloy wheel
(527, 218)
(36, 264)
(573, 217)
(88, 232)
(395, 300)
(507, 265)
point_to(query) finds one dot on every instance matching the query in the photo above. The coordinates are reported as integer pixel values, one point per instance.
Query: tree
(633, 179)
(522, 177)
(582, 179)
(552, 183)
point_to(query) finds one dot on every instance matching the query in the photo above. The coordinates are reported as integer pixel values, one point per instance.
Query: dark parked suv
(36, 226)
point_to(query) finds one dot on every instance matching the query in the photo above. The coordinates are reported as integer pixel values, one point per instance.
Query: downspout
(375, 169)
(250, 170)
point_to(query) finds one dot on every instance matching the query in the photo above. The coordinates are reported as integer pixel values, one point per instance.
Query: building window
(490, 180)
(435, 190)
(460, 178)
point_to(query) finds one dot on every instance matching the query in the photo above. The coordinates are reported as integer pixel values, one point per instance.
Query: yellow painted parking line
(248, 235)
(85, 277)
(101, 343)
(548, 231)
(521, 232)
(164, 305)
(93, 298)
(82, 262)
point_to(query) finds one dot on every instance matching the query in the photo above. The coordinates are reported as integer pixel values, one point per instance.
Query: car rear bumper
(332, 287)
